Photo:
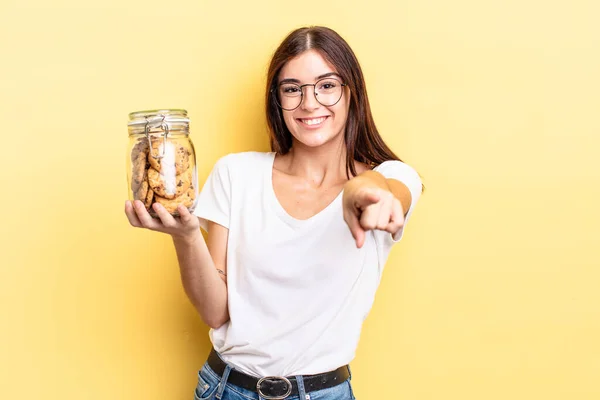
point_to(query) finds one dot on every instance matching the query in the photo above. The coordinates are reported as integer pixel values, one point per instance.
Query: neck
(324, 164)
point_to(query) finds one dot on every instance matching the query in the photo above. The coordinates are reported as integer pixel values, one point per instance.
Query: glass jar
(161, 161)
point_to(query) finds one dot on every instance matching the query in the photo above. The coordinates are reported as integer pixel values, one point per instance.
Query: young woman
(297, 237)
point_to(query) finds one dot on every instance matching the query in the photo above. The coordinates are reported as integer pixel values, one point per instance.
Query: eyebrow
(292, 80)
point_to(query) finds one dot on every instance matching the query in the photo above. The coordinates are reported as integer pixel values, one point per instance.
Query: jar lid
(175, 119)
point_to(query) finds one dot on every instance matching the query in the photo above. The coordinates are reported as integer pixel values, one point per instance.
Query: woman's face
(312, 123)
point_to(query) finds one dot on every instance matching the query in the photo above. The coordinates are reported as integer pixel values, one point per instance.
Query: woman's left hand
(368, 207)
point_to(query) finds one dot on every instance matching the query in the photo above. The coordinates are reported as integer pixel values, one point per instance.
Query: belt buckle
(281, 378)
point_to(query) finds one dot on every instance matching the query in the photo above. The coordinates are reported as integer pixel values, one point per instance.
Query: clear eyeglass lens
(327, 91)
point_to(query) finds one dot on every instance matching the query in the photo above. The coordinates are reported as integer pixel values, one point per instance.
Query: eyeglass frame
(314, 85)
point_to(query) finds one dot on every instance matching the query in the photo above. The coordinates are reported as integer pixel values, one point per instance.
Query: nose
(309, 99)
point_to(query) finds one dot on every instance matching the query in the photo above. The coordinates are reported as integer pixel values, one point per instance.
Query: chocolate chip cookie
(169, 186)
(164, 156)
(187, 199)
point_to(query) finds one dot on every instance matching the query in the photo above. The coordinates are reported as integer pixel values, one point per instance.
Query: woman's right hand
(185, 227)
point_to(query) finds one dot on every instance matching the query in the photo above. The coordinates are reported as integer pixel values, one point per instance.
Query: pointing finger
(366, 197)
(355, 229)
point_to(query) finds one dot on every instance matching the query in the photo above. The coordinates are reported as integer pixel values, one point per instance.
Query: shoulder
(236, 166)
(393, 165)
(242, 159)
(401, 171)
(395, 168)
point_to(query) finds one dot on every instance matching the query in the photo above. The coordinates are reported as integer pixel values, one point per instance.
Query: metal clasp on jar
(152, 124)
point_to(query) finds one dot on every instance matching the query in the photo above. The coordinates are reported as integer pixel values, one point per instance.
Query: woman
(297, 237)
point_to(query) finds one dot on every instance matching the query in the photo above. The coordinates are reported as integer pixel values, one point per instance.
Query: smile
(313, 122)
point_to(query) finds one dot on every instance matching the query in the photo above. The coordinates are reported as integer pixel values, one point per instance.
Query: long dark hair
(363, 142)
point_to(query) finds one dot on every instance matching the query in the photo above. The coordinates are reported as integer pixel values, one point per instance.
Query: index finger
(365, 197)
(144, 217)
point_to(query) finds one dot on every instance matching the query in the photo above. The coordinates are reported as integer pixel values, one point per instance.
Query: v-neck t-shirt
(298, 289)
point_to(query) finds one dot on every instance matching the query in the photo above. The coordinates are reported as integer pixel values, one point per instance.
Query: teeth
(314, 121)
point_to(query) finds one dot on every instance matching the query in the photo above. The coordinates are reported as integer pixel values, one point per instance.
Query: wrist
(187, 238)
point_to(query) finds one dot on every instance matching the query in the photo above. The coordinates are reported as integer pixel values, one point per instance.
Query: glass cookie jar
(161, 160)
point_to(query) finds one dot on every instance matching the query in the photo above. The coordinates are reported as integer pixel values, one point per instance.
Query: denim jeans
(214, 387)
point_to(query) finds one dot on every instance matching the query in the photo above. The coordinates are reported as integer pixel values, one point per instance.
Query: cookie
(142, 192)
(138, 170)
(165, 158)
(169, 186)
(187, 199)
(149, 198)
(141, 147)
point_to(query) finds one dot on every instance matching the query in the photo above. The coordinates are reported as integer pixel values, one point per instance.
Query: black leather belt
(278, 387)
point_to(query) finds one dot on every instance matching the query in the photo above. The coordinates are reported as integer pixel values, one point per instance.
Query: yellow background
(493, 294)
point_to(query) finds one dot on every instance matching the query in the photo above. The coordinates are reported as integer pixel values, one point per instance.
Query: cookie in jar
(161, 161)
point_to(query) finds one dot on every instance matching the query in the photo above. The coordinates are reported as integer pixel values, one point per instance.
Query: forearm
(374, 179)
(367, 179)
(201, 281)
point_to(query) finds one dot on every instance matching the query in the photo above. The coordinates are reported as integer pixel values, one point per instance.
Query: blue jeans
(214, 387)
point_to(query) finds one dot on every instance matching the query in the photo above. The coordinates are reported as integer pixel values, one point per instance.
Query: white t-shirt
(298, 290)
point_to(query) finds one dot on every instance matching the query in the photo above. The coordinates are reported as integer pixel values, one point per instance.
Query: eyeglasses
(328, 92)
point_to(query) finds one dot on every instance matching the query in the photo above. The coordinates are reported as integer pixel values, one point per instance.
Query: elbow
(216, 322)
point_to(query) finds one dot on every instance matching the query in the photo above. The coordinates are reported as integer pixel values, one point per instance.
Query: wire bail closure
(165, 127)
